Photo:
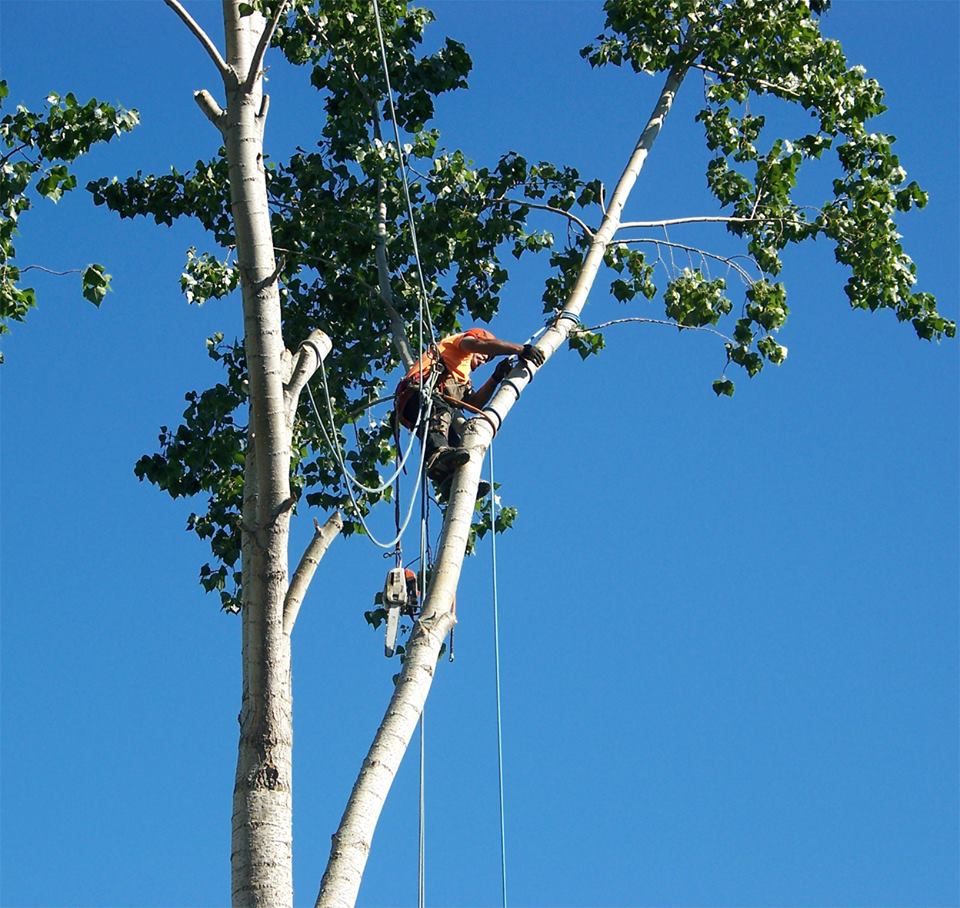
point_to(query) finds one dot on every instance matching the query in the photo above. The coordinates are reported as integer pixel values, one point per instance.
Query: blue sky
(729, 627)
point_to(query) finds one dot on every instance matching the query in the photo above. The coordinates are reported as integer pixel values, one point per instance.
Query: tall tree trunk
(353, 839)
(261, 855)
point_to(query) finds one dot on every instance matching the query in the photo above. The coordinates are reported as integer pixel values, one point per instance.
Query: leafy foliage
(35, 149)
(327, 204)
(338, 203)
(775, 51)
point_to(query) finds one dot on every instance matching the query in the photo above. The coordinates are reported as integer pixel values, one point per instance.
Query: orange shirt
(456, 361)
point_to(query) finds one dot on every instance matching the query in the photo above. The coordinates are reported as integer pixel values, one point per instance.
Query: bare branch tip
(256, 64)
(200, 35)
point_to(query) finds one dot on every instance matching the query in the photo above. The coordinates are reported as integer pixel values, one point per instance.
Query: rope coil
(571, 316)
(352, 480)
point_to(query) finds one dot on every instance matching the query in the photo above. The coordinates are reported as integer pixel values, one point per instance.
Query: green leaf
(96, 284)
(375, 617)
(56, 182)
(723, 386)
(586, 343)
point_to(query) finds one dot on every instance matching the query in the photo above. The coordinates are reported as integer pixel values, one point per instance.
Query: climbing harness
(486, 414)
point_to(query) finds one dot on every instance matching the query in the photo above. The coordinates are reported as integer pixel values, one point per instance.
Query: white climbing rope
(424, 307)
(338, 458)
(496, 651)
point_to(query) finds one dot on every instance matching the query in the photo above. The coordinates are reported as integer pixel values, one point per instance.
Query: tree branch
(351, 69)
(770, 86)
(312, 351)
(201, 36)
(727, 260)
(211, 110)
(397, 326)
(542, 207)
(322, 537)
(705, 219)
(265, 38)
(588, 231)
(13, 151)
(654, 321)
(351, 843)
(46, 270)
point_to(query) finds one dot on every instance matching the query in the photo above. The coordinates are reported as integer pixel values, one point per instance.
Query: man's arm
(483, 394)
(489, 346)
(493, 346)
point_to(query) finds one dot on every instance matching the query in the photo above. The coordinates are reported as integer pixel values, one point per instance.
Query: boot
(444, 461)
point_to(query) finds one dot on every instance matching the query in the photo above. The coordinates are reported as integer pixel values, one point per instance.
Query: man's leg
(442, 455)
(438, 430)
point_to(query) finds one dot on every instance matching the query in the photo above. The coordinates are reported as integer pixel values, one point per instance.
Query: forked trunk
(353, 839)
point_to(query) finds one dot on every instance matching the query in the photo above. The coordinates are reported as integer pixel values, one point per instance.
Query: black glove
(533, 354)
(503, 369)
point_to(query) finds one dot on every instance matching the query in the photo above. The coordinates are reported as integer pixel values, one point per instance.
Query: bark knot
(267, 776)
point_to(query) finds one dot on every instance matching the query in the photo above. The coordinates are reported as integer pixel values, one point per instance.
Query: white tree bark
(322, 537)
(261, 853)
(353, 839)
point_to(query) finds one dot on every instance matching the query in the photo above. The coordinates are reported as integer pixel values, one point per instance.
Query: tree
(209, 452)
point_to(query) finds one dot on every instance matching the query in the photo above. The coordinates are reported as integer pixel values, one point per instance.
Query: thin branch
(50, 270)
(397, 326)
(655, 321)
(201, 36)
(727, 260)
(359, 409)
(707, 219)
(538, 205)
(770, 86)
(13, 151)
(322, 537)
(567, 214)
(262, 45)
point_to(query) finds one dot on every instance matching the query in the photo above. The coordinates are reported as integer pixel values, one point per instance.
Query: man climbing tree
(442, 376)
(310, 236)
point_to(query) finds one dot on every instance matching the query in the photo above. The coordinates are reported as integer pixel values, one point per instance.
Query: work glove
(503, 369)
(533, 355)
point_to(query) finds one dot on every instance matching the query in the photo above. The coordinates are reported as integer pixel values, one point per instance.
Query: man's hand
(503, 369)
(533, 355)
